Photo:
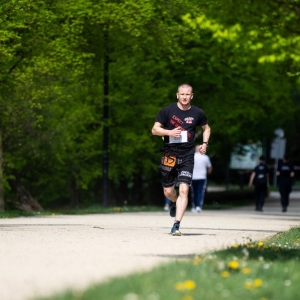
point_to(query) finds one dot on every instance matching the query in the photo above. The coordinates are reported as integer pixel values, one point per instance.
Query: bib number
(169, 160)
(182, 139)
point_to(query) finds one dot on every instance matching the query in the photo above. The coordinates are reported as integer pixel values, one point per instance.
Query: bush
(236, 197)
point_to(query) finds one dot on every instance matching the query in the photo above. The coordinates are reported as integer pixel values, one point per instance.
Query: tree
(2, 204)
(20, 30)
(52, 88)
(34, 48)
(58, 93)
(257, 50)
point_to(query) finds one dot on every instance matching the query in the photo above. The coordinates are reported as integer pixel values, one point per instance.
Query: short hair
(262, 158)
(185, 85)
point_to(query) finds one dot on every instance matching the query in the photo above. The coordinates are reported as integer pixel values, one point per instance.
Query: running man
(177, 123)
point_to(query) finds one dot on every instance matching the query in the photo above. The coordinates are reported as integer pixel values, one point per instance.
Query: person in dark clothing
(260, 179)
(177, 123)
(285, 173)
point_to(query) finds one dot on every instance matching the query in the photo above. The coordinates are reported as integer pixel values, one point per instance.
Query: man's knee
(169, 192)
(184, 189)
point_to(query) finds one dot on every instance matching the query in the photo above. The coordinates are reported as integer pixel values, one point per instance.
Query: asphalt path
(40, 256)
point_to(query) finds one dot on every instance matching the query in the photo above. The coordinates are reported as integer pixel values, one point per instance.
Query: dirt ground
(40, 256)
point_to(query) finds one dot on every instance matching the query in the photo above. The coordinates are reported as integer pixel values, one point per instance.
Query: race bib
(169, 160)
(181, 139)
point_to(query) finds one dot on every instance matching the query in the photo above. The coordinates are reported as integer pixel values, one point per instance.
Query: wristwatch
(205, 143)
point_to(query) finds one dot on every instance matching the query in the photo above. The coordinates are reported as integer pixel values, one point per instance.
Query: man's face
(184, 95)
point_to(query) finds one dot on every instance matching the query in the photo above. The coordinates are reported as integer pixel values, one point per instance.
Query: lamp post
(1, 176)
(277, 150)
(105, 119)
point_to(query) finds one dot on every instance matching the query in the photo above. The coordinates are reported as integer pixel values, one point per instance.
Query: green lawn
(97, 209)
(261, 270)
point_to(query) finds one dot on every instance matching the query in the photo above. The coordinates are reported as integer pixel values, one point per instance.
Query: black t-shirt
(285, 169)
(261, 175)
(172, 117)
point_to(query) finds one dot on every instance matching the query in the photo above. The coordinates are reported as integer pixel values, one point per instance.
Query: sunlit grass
(95, 209)
(98, 209)
(263, 270)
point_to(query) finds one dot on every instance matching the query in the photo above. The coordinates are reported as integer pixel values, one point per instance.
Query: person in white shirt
(202, 167)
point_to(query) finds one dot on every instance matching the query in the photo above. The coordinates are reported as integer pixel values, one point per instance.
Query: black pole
(227, 175)
(105, 118)
(2, 205)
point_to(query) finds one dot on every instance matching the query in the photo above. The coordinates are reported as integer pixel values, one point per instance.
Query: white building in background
(245, 157)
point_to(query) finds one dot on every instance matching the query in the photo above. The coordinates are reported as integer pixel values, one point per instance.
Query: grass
(97, 209)
(261, 270)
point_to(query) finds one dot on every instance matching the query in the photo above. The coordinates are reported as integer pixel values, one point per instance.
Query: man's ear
(177, 96)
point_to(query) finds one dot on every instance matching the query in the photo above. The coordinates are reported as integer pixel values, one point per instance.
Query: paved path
(43, 255)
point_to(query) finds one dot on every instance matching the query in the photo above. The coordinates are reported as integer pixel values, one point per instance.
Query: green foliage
(269, 29)
(95, 209)
(243, 64)
(253, 48)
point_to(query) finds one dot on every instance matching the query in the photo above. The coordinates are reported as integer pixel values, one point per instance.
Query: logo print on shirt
(189, 120)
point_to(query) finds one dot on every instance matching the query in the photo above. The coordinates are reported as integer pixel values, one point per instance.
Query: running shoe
(175, 230)
(173, 210)
(198, 209)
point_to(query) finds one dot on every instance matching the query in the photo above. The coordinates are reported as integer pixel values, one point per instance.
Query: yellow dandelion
(190, 284)
(117, 208)
(180, 286)
(263, 298)
(233, 265)
(186, 285)
(188, 297)
(257, 282)
(248, 285)
(235, 245)
(246, 271)
(53, 214)
(225, 274)
(260, 244)
(197, 260)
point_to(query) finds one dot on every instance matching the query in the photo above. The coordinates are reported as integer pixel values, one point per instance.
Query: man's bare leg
(182, 201)
(170, 193)
(181, 205)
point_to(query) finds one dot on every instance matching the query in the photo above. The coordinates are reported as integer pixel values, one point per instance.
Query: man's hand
(202, 148)
(176, 132)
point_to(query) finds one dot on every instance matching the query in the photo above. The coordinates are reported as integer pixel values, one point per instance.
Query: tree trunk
(154, 194)
(74, 195)
(137, 191)
(123, 192)
(2, 206)
(24, 199)
(97, 189)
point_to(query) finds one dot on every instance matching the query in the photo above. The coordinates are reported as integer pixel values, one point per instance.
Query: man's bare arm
(209, 170)
(206, 135)
(158, 129)
(251, 179)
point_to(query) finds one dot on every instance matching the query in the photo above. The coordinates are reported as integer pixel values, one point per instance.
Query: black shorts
(182, 170)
